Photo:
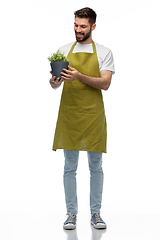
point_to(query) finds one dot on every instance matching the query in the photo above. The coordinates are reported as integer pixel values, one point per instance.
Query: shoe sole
(98, 226)
(69, 227)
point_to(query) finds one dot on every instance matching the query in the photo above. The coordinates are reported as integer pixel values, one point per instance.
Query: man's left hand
(69, 75)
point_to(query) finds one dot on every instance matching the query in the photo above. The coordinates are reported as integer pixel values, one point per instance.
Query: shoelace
(98, 218)
(70, 218)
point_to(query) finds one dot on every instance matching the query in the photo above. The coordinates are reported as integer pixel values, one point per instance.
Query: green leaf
(58, 57)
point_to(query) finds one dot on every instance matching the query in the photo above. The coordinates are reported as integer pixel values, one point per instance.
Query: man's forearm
(102, 82)
(95, 82)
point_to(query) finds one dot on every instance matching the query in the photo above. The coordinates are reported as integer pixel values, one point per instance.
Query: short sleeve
(65, 49)
(108, 62)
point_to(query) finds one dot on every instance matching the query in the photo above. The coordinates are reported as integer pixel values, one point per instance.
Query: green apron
(81, 123)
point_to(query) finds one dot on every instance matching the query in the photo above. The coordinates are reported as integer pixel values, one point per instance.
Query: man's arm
(102, 82)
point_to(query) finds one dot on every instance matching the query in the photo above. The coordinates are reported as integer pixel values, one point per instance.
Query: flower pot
(57, 68)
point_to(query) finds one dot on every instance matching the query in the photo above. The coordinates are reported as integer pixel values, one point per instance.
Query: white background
(31, 174)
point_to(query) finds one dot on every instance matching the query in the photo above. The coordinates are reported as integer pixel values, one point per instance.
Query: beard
(84, 36)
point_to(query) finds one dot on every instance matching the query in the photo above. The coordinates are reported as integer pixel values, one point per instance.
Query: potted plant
(58, 61)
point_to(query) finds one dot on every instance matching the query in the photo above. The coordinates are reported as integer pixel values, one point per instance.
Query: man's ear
(93, 26)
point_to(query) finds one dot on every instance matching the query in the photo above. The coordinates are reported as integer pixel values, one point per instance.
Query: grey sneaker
(97, 221)
(70, 223)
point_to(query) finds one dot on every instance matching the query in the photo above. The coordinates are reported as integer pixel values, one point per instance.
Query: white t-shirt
(105, 56)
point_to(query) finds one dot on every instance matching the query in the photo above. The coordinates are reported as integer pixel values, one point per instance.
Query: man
(81, 124)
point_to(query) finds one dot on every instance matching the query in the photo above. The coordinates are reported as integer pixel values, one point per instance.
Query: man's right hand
(55, 82)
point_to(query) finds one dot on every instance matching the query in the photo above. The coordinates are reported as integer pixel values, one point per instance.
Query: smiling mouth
(79, 34)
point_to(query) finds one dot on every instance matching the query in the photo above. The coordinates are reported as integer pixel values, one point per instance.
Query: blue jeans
(96, 180)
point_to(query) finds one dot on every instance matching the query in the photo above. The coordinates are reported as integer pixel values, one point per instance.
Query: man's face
(83, 29)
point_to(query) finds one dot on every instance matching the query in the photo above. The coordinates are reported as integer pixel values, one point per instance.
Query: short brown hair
(86, 13)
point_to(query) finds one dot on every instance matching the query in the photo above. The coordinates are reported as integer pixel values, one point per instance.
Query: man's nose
(79, 29)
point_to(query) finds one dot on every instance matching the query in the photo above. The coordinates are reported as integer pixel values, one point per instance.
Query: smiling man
(81, 124)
